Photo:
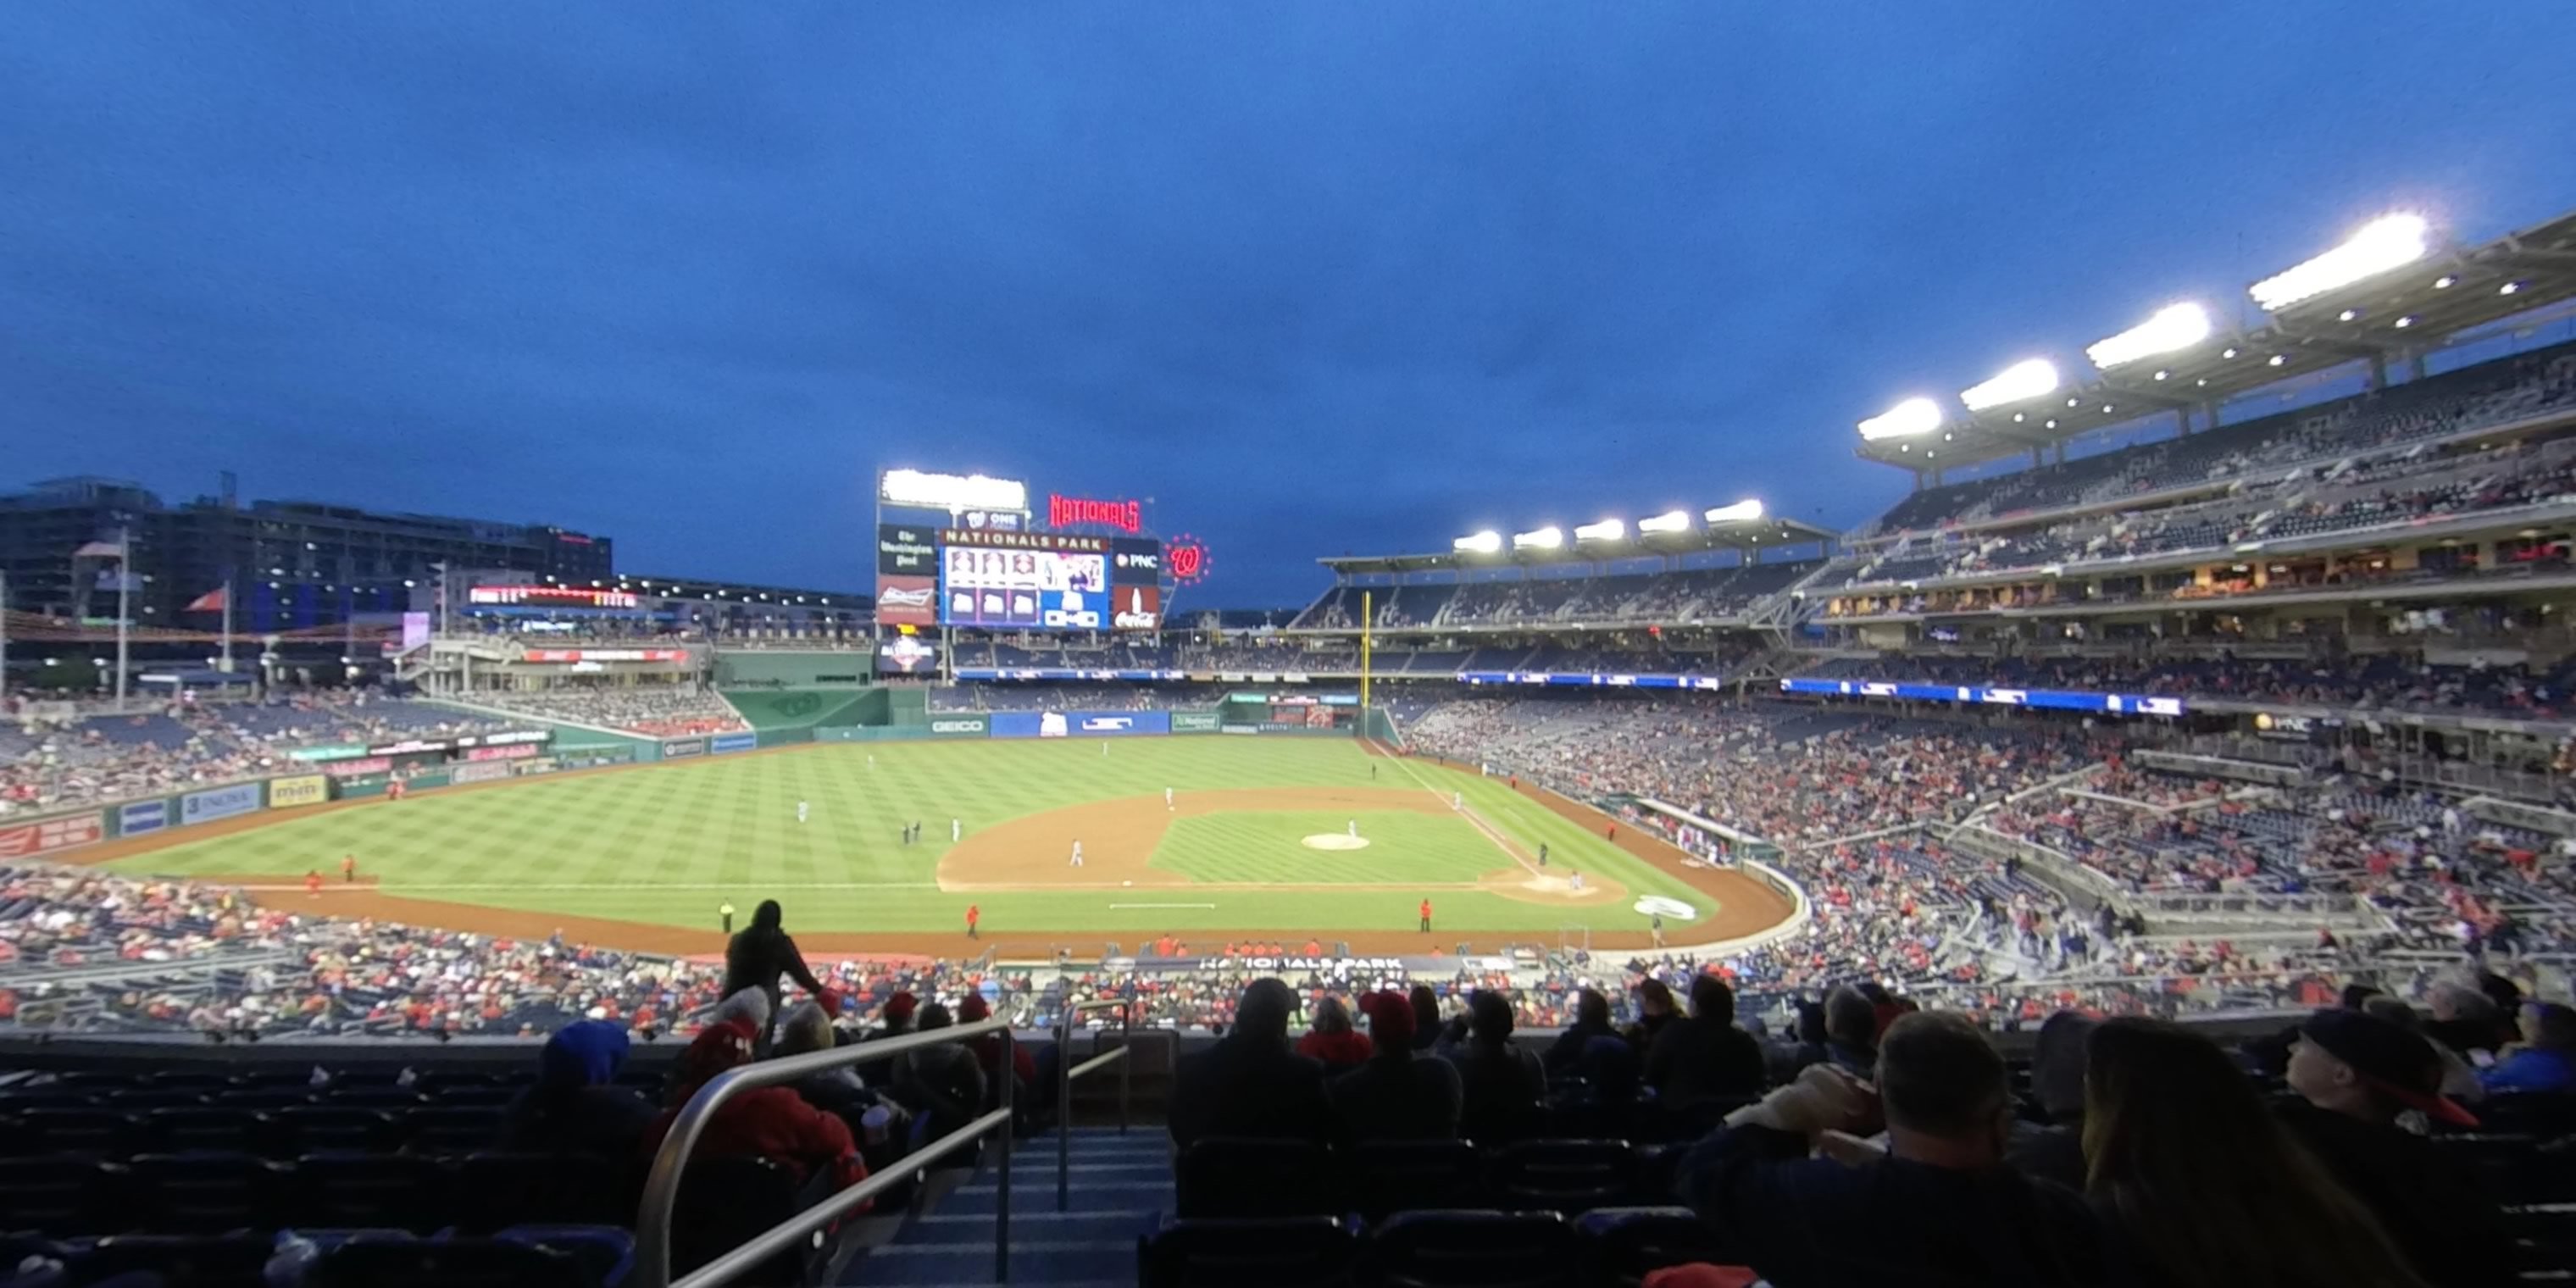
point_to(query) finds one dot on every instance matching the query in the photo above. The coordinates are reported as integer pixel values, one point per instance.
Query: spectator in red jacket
(772, 1122)
(1333, 1040)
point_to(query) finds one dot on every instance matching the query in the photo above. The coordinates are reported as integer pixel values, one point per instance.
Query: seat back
(1229, 1176)
(61, 1196)
(177, 1131)
(723, 1204)
(373, 1191)
(1383, 1177)
(1474, 1249)
(1626, 1244)
(239, 1261)
(1564, 1175)
(1272, 1252)
(206, 1193)
(448, 1263)
(496, 1189)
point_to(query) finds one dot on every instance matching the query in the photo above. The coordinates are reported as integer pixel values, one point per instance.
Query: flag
(100, 550)
(210, 602)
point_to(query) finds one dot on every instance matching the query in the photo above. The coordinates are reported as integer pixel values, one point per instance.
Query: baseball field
(1274, 837)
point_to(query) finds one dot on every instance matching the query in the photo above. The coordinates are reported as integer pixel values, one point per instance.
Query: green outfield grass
(666, 844)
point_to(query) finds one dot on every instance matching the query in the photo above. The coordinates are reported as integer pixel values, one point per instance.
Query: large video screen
(1023, 580)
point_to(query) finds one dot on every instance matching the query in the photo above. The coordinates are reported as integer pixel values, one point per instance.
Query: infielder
(956, 830)
(1077, 854)
(1167, 798)
(1458, 800)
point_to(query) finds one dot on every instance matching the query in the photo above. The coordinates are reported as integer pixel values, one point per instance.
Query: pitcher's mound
(1335, 841)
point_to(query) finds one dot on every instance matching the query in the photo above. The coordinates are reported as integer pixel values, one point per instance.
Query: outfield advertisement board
(1195, 722)
(139, 817)
(975, 726)
(303, 789)
(486, 771)
(1079, 724)
(220, 802)
(27, 840)
(730, 742)
(358, 768)
(2118, 704)
(684, 747)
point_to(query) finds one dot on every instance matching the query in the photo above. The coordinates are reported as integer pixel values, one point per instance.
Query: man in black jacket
(1705, 1059)
(762, 952)
(1938, 1208)
(1250, 1083)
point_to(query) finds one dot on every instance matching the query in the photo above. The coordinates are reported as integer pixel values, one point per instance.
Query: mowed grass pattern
(667, 843)
(1269, 846)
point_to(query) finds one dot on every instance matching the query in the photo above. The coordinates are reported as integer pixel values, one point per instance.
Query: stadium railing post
(1002, 1180)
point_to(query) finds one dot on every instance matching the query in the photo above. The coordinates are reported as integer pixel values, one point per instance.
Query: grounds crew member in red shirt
(313, 883)
(1426, 916)
(974, 913)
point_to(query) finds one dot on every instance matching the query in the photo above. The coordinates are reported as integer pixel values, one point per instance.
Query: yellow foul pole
(1367, 616)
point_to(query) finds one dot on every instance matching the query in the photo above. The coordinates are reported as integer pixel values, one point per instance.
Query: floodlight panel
(2390, 241)
(2020, 382)
(1606, 530)
(1744, 511)
(1907, 419)
(1481, 543)
(1669, 521)
(1547, 538)
(952, 492)
(2173, 328)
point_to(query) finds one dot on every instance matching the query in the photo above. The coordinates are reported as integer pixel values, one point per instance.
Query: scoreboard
(1023, 580)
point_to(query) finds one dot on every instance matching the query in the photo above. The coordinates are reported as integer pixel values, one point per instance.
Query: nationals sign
(1068, 511)
(30, 839)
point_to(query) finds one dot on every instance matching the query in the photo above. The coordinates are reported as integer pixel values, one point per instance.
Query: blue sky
(1319, 278)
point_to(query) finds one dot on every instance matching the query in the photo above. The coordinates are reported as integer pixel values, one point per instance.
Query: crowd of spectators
(186, 743)
(1668, 597)
(2358, 681)
(657, 710)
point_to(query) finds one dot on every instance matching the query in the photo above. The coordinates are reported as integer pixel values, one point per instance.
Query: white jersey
(800, 811)
(1077, 854)
(1355, 827)
(956, 828)
(1167, 798)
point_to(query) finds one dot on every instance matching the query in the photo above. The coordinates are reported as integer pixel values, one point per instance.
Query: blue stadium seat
(496, 1189)
(1225, 1176)
(209, 1193)
(1276, 1252)
(384, 1191)
(449, 1263)
(1626, 1244)
(1475, 1249)
(313, 1129)
(174, 1131)
(238, 1261)
(450, 1130)
(1564, 1175)
(724, 1203)
(606, 1252)
(61, 1195)
(99, 1133)
(1384, 1177)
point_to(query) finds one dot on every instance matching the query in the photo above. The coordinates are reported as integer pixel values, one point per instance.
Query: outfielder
(956, 830)
(800, 811)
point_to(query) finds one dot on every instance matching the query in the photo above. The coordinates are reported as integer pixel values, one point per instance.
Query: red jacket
(773, 1123)
(1335, 1048)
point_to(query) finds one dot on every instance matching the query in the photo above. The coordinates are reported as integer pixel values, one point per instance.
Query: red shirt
(1335, 1048)
(1426, 907)
(773, 1123)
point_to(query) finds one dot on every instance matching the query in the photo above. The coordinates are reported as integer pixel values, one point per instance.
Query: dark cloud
(1320, 277)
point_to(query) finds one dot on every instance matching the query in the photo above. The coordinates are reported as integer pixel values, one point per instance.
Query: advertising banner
(684, 747)
(1136, 608)
(415, 630)
(357, 768)
(340, 751)
(1079, 724)
(221, 802)
(908, 601)
(139, 817)
(725, 742)
(29, 839)
(551, 655)
(1194, 722)
(484, 772)
(1135, 561)
(975, 726)
(2118, 704)
(907, 575)
(512, 751)
(907, 655)
(303, 789)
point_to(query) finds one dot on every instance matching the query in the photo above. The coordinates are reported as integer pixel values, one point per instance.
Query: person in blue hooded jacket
(2545, 1059)
(576, 1106)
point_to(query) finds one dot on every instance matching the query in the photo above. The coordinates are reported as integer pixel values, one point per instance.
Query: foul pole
(1367, 599)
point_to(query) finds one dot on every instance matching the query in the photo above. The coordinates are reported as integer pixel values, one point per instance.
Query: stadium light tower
(1669, 521)
(2172, 329)
(2390, 241)
(1744, 511)
(1550, 537)
(1908, 419)
(1606, 530)
(1483, 543)
(2022, 381)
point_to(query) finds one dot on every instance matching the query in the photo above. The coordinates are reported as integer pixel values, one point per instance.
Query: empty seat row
(279, 1133)
(1426, 1249)
(212, 1193)
(370, 1096)
(518, 1257)
(1230, 1177)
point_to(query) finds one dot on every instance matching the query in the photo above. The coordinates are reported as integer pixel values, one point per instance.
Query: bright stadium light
(1669, 521)
(2020, 382)
(1547, 538)
(1744, 511)
(952, 492)
(1904, 420)
(1483, 543)
(2172, 328)
(2387, 242)
(1606, 530)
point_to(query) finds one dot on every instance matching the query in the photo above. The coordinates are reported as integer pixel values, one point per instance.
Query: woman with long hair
(2200, 1182)
(1333, 1039)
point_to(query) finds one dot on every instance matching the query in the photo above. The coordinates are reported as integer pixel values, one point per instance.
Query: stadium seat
(1626, 1244)
(724, 1203)
(1658, 1168)
(208, 1193)
(605, 1251)
(177, 1131)
(1226, 1176)
(449, 1130)
(313, 1129)
(1474, 1249)
(1566, 1176)
(383, 1191)
(495, 1190)
(150, 1098)
(1384, 1177)
(99, 1133)
(61, 1195)
(448, 1263)
(237, 1261)
(1276, 1252)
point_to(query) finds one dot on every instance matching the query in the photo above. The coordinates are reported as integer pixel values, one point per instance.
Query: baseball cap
(1390, 1016)
(900, 1006)
(2393, 1062)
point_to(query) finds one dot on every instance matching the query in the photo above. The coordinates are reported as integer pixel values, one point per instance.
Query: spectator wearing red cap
(1398, 1094)
(898, 1014)
(773, 1123)
(2361, 1078)
(988, 1053)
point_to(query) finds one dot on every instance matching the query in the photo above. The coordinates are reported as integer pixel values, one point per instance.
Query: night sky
(1319, 278)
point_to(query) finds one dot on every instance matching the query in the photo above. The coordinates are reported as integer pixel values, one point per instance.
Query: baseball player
(956, 830)
(800, 811)
(1077, 854)
(1167, 798)
(1458, 800)
(1355, 827)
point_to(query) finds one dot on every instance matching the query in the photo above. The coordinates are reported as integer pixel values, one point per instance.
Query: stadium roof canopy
(2417, 308)
(1751, 537)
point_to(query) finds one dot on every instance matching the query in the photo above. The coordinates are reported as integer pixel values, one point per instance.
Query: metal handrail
(1126, 1009)
(662, 1185)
